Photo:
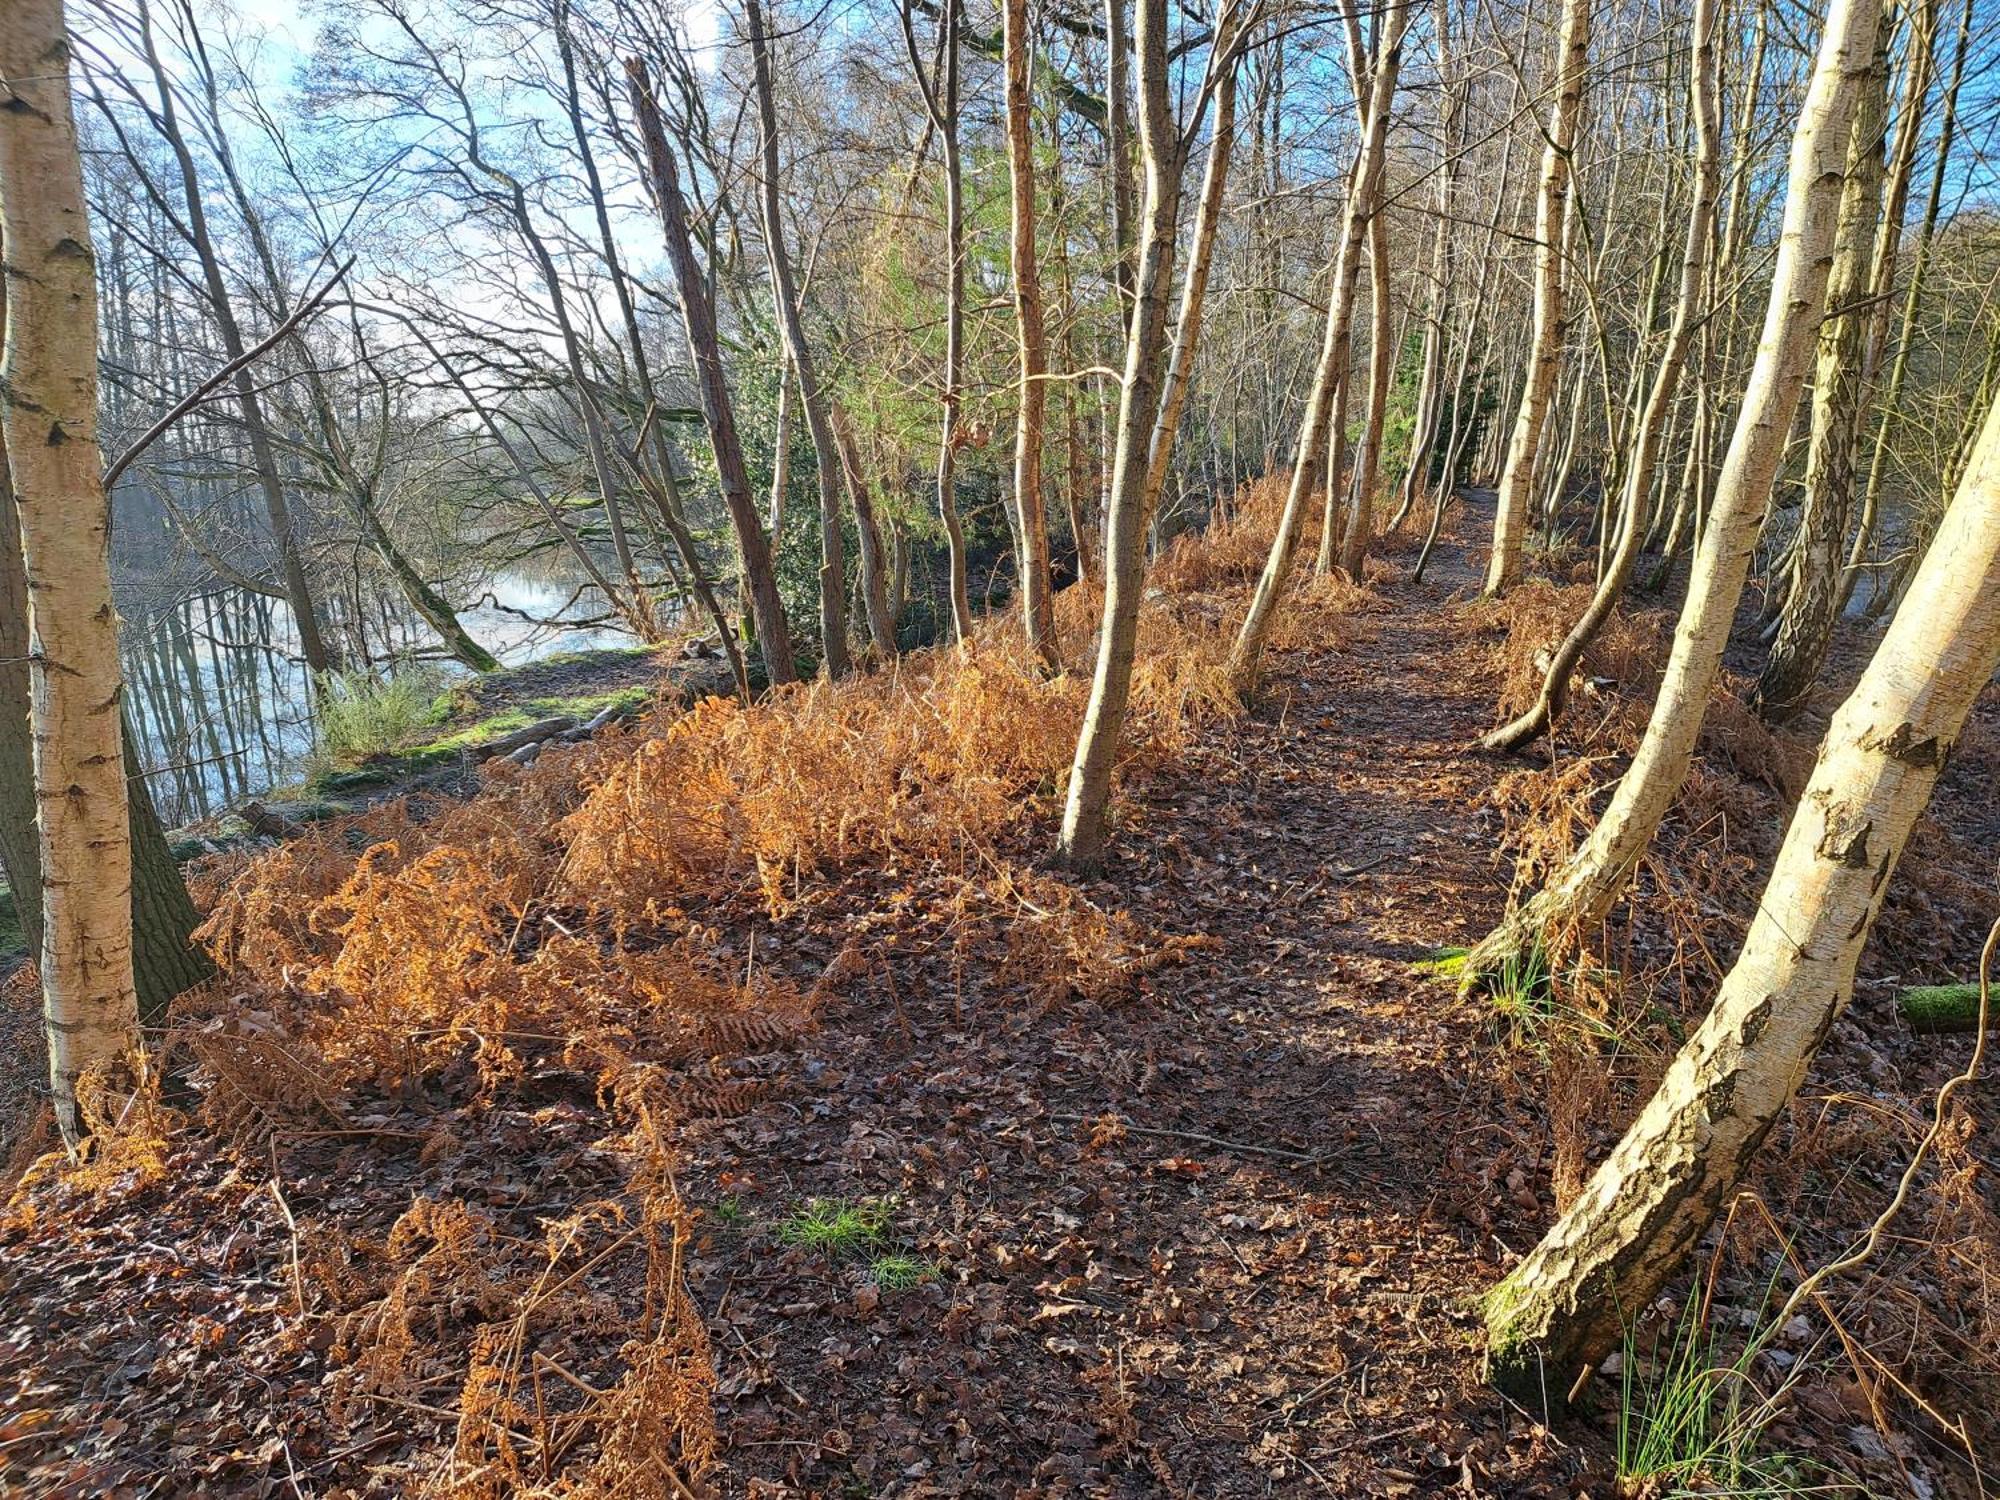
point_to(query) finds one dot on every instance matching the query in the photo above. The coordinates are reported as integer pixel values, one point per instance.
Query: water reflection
(222, 706)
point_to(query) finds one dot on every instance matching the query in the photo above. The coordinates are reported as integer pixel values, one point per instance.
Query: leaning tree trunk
(791, 318)
(767, 610)
(1567, 1303)
(48, 413)
(1087, 808)
(1246, 655)
(1582, 893)
(1517, 478)
(1539, 718)
(1805, 624)
(1031, 522)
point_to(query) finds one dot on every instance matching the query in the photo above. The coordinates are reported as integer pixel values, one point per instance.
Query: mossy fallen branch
(1942, 1007)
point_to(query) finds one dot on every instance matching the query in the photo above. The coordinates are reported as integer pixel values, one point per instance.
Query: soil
(1218, 1233)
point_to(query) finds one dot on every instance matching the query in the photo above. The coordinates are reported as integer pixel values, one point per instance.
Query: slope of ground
(1180, 1182)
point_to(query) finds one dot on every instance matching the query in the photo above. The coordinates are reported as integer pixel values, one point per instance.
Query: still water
(219, 700)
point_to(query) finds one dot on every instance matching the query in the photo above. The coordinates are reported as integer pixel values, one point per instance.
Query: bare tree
(791, 318)
(1583, 891)
(1840, 376)
(1568, 1302)
(1164, 150)
(1510, 521)
(48, 415)
(1031, 340)
(1631, 514)
(939, 85)
(767, 610)
(1330, 375)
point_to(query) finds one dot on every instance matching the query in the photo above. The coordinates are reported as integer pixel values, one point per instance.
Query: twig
(115, 470)
(278, 1193)
(1195, 1135)
(1873, 1238)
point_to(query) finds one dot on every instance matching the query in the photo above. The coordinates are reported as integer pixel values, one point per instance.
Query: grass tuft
(364, 717)
(901, 1273)
(1692, 1419)
(837, 1228)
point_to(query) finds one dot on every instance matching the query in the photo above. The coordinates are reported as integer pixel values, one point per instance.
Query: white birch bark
(1583, 891)
(1565, 1305)
(1510, 520)
(48, 404)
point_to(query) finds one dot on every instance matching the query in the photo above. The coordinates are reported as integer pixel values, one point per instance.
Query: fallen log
(1943, 1007)
(266, 824)
(533, 734)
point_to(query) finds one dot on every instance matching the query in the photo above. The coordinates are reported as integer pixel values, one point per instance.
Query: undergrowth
(361, 716)
(552, 932)
(1620, 1001)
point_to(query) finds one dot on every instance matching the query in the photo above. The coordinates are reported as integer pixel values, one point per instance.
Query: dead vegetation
(550, 939)
(1903, 1353)
(430, 1118)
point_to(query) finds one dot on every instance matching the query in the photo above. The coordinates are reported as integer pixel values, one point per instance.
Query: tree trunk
(1118, 153)
(319, 658)
(1659, 403)
(1087, 809)
(48, 415)
(1423, 431)
(1806, 622)
(791, 317)
(660, 481)
(1912, 300)
(1566, 1304)
(1510, 521)
(1031, 344)
(1329, 376)
(874, 561)
(774, 636)
(166, 960)
(940, 94)
(1381, 368)
(1194, 285)
(1583, 891)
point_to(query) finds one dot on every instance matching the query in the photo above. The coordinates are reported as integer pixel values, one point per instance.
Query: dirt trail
(1263, 1285)
(1183, 1182)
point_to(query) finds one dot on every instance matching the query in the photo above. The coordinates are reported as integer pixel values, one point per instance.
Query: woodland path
(1265, 1285)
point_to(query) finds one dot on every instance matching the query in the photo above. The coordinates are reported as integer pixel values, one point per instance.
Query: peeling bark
(1566, 1304)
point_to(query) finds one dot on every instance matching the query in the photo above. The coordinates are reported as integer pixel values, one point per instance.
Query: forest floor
(1217, 1231)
